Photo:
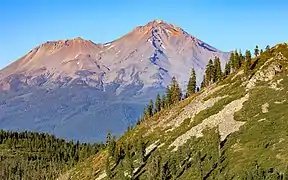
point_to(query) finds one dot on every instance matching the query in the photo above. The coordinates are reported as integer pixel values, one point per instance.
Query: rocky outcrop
(224, 120)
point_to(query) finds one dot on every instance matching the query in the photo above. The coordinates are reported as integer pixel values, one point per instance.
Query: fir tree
(191, 87)
(129, 163)
(256, 51)
(141, 150)
(227, 69)
(231, 61)
(107, 168)
(267, 48)
(173, 167)
(158, 103)
(168, 99)
(176, 93)
(217, 70)
(248, 61)
(209, 73)
(203, 83)
(163, 101)
(237, 61)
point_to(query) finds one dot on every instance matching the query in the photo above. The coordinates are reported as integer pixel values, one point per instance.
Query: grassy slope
(261, 143)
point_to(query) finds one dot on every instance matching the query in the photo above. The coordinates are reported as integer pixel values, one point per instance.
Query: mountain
(79, 90)
(233, 129)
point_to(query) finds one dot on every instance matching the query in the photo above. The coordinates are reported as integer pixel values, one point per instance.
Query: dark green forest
(31, 155)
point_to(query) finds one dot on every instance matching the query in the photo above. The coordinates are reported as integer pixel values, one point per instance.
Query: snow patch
(107, 44)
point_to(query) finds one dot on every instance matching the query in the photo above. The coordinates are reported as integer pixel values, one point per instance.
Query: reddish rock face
(59, 84)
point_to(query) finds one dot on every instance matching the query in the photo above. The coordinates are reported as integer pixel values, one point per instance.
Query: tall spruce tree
(176, 93)
(256, 51)
(158, 104)
(107, 168)
(217, 70)
(203, 83)
(209, 73)
(141, 150)
(191, 87)
(168, 98)
(237, 61)
(231, 61)
(267, 48)
(227, 69)
(150, 108)
(163, 101)
(248, 61)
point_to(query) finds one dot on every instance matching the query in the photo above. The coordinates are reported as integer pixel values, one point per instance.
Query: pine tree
(163, 101)
(237, 61)
(217, 70)
(158, 103)
(209, 73)
(267, 48)
(227, 69)
(108, 138)
(203, 83)
(191, 87)
(107, 168)
(256, 51)
(176, 93)
(148, 111)
(261, 51)
(248, 61)
(172, 163)
(231, 61)
(141, 150)
(129, 163)
(241, 58)
(168, 99)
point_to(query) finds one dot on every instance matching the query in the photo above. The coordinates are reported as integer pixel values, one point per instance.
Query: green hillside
(235, 128)
(28, 155)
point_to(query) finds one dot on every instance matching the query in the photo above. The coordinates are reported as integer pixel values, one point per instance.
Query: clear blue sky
(224, 24)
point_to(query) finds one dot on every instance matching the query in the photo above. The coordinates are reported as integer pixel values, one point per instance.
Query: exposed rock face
(77, 89)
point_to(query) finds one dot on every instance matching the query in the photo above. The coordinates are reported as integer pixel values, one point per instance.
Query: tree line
(31, 155)
(213, 74)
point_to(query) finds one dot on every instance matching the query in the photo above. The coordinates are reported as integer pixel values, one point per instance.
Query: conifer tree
(261, 51)
(172, 163)
(203, 83)
(237, 61)
(248, 61)
(158, 103)
(191, 87)
(231, 61)
(267, 48)
(176, 93)
(108, 138)
(209, 73)
(107, 168)
(227, 69)
(168, 99)
(256, 51)
(148, 112)
(163, 101)
(217, 70)
(141, 150)
(129, 163)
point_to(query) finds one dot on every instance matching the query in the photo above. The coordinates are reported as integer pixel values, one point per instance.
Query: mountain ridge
(124, 74)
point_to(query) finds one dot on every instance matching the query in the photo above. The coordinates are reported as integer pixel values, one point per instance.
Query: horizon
(237, 26)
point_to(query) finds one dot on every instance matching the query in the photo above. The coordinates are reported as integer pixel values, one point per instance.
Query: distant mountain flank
(78, 89)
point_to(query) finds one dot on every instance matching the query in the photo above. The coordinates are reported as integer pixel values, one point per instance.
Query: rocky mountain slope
(77, 89)
(235, 129)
